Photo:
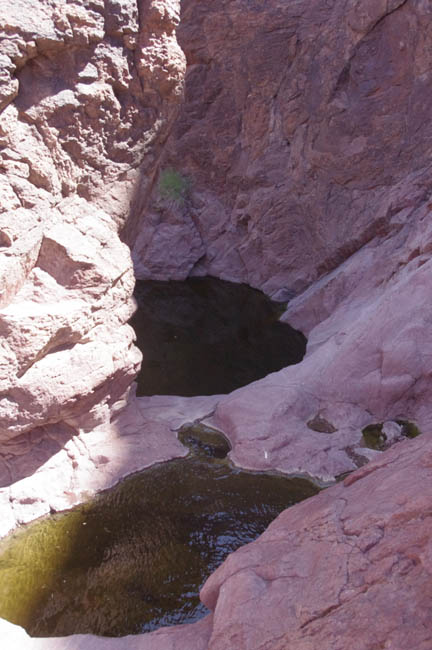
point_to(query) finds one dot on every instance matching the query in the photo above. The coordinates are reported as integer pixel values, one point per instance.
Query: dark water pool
(135, 557)
(207, 336)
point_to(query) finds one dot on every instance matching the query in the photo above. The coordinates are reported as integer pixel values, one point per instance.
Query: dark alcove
(207, 336)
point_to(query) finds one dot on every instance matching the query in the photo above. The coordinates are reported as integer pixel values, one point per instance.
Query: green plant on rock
(375, 438)
(172, 185)
(409, 429)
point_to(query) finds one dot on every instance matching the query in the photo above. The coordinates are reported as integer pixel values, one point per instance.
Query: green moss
(373, 436)
(204, 440)
(409, 429)
(321, 425)
(173, 186)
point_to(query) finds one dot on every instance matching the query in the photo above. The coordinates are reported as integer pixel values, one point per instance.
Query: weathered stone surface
(65, 327)
(85, 90)
(350, 568)
(152, 247)
(297, 140)
(304, 140)
(79, 263)
(299, 120)
(366, 361)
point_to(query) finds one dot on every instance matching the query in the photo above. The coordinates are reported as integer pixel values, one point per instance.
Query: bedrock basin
(134, 558)
(207, 336)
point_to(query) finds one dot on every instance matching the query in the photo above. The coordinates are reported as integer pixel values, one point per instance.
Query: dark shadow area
(206, 336)
(23, 455)
(135, 557)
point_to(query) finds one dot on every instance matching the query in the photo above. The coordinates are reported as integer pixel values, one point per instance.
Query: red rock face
(304, 137)
(349, 568)
(299, 121)
(302, 155)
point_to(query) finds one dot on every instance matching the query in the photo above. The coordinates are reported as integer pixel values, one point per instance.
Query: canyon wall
(88, 94)
(303, 146)
(298, 162)
(300, 123)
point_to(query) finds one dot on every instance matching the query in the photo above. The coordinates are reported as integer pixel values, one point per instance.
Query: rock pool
(134, 558)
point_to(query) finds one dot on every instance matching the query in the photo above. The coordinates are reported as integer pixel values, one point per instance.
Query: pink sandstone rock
(366, 361)
(304, 139)
(267, 422)
(349, 568)
(300, 120)
(310, 189)
(85, 91)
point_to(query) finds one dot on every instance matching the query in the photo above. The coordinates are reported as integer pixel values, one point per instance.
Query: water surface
(207, 336)
(135, 557)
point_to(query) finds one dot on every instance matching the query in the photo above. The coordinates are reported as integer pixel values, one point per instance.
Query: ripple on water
(135, 557)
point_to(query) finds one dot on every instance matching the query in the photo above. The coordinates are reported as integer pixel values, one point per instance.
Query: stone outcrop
(301, 124)
(366, 362)
(301, 151)
(88, 94)
(66, 353)
(350, 568)
(303, 142)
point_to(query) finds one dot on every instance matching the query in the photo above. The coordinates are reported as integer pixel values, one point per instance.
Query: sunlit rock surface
(304, 145)
(88, 93)
(347, 569)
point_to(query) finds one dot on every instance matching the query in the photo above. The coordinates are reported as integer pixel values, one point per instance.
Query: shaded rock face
(299, 122)
(304, 141)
